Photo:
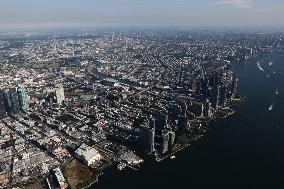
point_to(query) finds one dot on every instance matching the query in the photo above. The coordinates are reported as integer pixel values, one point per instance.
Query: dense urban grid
(86, 101)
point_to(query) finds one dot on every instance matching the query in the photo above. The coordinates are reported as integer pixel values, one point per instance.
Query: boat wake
(259, 67)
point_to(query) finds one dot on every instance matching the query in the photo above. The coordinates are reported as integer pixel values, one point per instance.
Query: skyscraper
(3, 110)
(161, 119)
(14, 101)
(234, 86)
(207, 109)
(148, 139)
(197, 109)
(215, 97)
(172, 137)
(223, 96)
(11, 101)
(7, 100)
(23, 98)
(165, 141)
(148, 136)
(194, 86)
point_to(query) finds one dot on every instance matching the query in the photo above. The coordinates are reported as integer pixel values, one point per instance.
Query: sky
(100, 13)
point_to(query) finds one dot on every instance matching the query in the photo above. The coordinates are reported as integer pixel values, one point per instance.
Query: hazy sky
(49, 13)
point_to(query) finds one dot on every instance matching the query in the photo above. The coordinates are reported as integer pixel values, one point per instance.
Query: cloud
(236, 3)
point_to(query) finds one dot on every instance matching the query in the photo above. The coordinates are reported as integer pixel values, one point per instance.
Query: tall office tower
(12, 101)
(161, 119)
(3, 111)
(223, 96)
(60, 96)
(214, 79)
(165, 141)
(15, 101)
(148, 139)
(172, 137)
(148, 136)
(204, 88)
(194, 86)
(215, 97)
(207, 109)
(174, 110)
(23, 98)
(197, 108)
(184, 109)
(183, 123)
(199, 88)
(234, 86)
(8, 103)
(218, 78)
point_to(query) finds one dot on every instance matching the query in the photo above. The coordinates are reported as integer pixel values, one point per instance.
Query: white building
(60, 96)
(88, 154)
(60, 178)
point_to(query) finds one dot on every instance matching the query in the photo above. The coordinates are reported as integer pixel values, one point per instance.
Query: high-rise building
(148, 139)
(207, 109)
(165, 141)
(197, 109)
(215, 97)
(172, 137)
(234, 86)
(23, 98)
(161, 119)
(60, 96)
(194, 86)
(223, 96)
(182, 123)
(3, 110)
(12, 101)
(8, 103)
(148, 136)
(15, 101)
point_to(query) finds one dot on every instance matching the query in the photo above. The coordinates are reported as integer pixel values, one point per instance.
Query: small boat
(276, 92)
(270, 107)
(270, 63)
(173, 157)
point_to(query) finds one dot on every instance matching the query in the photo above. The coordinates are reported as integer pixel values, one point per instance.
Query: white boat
(270, 63)
(270, 107)
(276, 92)
(173, 157)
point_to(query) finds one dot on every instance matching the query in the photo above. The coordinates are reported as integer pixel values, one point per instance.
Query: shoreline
(182, 147)
(207, 123)
(94, 182)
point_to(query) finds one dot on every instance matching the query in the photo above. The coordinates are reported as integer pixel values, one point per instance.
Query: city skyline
(17, 14)
(141, 94)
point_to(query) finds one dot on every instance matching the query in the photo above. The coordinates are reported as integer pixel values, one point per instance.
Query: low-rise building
(88, 154)
(60, 178)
